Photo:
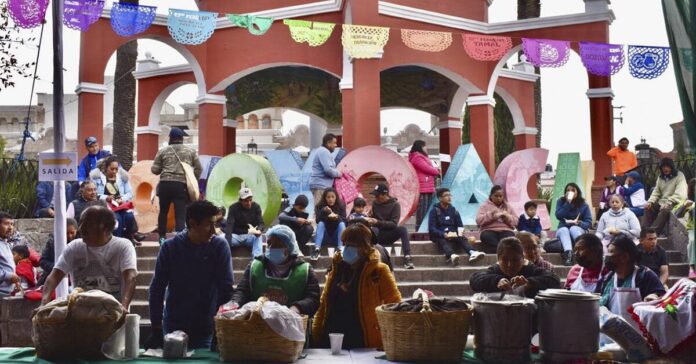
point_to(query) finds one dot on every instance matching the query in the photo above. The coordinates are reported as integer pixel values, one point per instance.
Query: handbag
(191, 181)
(347, 188)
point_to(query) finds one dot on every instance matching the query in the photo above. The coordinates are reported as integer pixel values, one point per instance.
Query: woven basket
(57, 339)
(253, 340)
(423, 336)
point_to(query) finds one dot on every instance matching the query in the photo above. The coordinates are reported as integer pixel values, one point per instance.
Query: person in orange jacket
(623, 159)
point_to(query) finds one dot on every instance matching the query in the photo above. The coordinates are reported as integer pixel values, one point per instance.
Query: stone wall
(36, 231)
(15, 321)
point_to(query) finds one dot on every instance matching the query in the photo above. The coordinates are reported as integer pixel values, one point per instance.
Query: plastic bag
(630, 340)
(282, 320)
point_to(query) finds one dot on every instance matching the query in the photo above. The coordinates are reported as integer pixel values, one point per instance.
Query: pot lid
(564, 294)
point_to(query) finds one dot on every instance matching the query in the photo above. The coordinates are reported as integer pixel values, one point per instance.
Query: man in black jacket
(384, 221)
(245, 223)
(298, 220)
(512, 274)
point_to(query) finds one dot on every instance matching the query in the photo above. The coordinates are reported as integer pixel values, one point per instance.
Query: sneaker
(567, 258)
(139, 237)
(453, 260)
(315, 255)
(408, 264)
(474, 255)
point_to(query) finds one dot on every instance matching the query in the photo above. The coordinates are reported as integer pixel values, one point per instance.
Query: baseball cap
(380, 189)
(177, 133)
(245, 193)
(633, 174)
(91, 141)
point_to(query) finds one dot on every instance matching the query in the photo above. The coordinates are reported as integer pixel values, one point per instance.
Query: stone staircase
(431, 272)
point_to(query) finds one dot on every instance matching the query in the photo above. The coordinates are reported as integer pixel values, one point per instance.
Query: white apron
(624, 297)
(580, 285)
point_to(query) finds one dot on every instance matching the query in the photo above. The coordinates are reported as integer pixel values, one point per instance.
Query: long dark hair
(417, 147)
(578, 201)
(338, 206)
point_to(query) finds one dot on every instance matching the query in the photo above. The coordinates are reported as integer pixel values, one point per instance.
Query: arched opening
(401, 126)
(503, 126)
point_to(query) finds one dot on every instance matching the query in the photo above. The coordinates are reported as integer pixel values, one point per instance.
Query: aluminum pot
(502, 329)
(568, 325)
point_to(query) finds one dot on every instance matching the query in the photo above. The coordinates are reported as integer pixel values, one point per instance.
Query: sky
(649, 105)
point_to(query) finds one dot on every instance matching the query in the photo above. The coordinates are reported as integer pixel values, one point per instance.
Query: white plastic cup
(460, 231)
(336, 341)
(397, 251)
(331, 251)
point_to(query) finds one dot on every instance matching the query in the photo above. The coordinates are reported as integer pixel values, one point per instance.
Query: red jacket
(25, 270)
(425, 171)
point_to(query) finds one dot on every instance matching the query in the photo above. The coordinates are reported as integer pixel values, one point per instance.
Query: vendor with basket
(356, 284)
(280, 275)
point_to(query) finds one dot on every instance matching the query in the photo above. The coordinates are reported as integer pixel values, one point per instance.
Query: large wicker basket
(424, 336)
(66, 339)
(253, 340)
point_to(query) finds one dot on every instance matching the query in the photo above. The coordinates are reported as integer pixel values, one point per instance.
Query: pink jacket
(486, 220)
(425, 170)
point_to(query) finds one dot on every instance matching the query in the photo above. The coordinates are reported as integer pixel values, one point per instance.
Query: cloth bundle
(282, 320)
(436, 304)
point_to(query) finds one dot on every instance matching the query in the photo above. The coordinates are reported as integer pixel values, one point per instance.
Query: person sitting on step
(384, 222)
(298, 220)
(280, 275)
(495, 220)
(532, 250)
(634, 193)
(358, 211)
(589, 255)
(652, 255)
(245, 223)
(670, 190)
(574, 218)
(512, 274)
(530, 221)
(331, 220)
(444, 223)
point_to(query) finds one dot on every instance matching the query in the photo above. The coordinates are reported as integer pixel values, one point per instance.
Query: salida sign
(58, 166)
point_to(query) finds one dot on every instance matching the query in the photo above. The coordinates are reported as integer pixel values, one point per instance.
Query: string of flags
(359, 41)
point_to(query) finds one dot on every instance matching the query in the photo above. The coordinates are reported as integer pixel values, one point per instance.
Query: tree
(10, 41)
(124, 101)
(532, 9)
(503, 125)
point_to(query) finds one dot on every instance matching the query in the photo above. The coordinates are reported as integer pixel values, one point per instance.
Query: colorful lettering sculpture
(145, 200)
(401, 177)
(208, 162)
(469, 183)
(568, 170)
(294, 173)
(588, 173)
(514, 173)
(255, 172)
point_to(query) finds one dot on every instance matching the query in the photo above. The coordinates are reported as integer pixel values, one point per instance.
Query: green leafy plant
(18, 181)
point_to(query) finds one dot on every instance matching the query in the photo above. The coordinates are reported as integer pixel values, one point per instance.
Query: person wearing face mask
(626, 282)
(617, 220)
(574, 218)
(194, 273)
(512, 273)
(356, 284)
(589, 255)
(280, 275)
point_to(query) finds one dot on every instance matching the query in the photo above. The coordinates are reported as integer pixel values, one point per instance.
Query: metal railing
(18, 181)
(650, 171)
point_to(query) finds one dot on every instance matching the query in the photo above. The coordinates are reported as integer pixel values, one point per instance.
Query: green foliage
(10, 41)
(504, 140)
(3, 143)
(545, 194)
(18, 181)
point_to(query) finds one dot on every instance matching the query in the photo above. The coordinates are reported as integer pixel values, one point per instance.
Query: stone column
(211, 112)
(482, 129)
(148, 142)
(90, 113)
(601, 125)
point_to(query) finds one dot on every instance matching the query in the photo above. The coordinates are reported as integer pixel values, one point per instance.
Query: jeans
(657, 218)
(248, 240)
(388, 237)
(126, 224)
(171, 192)
(491, 238)
(321, 231)
(303, 234)
(567, 236)
(444, 244)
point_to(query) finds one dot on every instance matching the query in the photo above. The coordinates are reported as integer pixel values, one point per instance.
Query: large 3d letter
(588, 173)
(469, 183)
(145, 200)
(208, 162)
(294, 173)
(568, 169)
(401, 177)
(514, 173)
(226, 179)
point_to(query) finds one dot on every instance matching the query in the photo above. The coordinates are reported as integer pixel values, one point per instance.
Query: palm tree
(124, 101)
(532, 9)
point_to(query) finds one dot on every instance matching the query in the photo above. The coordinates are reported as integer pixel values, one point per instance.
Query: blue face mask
(350, 254)
(276, 255)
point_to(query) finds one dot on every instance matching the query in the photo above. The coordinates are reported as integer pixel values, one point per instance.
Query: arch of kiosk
(232, 53)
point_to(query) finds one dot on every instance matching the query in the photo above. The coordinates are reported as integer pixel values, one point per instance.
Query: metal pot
(568, 325)
(502, 329)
